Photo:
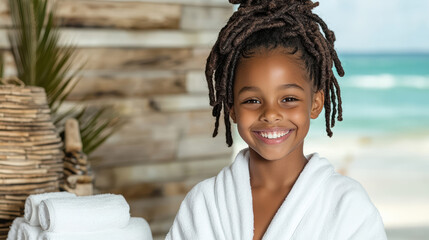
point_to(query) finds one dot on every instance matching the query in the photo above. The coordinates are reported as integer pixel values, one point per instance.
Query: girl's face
(273, 103)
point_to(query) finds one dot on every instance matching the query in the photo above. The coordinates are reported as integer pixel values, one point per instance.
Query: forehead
(271, 68)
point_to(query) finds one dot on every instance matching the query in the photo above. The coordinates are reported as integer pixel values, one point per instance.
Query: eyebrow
(284, 86)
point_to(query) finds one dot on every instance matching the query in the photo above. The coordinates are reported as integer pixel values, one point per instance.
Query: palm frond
(97, 125)
(91, 146)
(41, 61)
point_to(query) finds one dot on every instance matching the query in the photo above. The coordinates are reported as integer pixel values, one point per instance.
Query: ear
(317, 104)
(232, 114)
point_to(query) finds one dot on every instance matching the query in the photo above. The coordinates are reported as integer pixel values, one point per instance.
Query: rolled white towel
(28, 232)
(137, 229)
(13, 231)
(84, 214)
(32, 204)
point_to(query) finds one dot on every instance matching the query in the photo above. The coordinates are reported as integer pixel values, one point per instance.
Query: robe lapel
(234, 199)
(306, 188)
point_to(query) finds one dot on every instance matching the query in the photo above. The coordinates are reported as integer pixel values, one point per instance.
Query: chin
(271, 155)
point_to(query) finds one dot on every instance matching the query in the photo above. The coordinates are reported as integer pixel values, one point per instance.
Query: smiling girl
(270, 71)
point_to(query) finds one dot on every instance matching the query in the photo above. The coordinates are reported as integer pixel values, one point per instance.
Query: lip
(275, 140)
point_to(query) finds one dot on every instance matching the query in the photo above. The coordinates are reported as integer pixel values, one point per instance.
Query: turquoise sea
(382, 94)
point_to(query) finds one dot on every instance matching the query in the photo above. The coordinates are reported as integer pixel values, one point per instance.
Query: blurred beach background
(383, 141)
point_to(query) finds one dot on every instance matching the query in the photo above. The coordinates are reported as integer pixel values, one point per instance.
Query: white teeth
(273, 135)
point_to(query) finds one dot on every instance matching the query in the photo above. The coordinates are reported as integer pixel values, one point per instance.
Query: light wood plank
(202, 18)
(128, 84)
(125, 59)
(163, 172)
(127, 107)
(128, 14)
(133, 107)
(146, 150)
(4, 14)
(125, 15)
(146, 39)
(196, 82)
(207, 146)
(153, 138)
(136, 14)
(184, 2)
(129, 38)
(173, 103)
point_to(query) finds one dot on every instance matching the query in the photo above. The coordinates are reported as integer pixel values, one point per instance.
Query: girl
(270, 71)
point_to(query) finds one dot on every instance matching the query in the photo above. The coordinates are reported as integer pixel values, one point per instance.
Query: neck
(276, 174)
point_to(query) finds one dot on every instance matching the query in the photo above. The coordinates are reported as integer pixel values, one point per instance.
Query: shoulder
(201, 189)
(206, 188)
(192, 213)
(195, 202)
(338, 189)
(348, 192)
(353, 214)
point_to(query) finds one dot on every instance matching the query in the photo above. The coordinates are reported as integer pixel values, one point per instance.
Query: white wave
(387, 81)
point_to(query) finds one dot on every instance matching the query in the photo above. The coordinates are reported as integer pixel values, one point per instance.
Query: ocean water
(382, 95)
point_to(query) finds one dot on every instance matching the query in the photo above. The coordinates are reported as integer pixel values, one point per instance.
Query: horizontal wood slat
(128, 15)
(211, 3)
(146, 60)
(109, 38)
(129, 85)
(121, 59)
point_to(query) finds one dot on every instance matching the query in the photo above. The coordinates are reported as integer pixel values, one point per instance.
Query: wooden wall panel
(125, 59)
(162, 172)
(4, 14)
(146, 59)
(138, 84)
(163, 137)
(112, 38)
(208, 18)
(126, 15)
(207, 3)
(161, 14)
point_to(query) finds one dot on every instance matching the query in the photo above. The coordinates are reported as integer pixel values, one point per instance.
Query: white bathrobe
(321, 205)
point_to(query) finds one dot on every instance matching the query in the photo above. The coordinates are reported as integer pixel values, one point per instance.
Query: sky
(378, 26)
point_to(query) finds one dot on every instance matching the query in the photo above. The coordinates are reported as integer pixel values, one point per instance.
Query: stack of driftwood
(78, 177)
(31, 155)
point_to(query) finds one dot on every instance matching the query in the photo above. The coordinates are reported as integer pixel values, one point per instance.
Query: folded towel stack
(64, 216)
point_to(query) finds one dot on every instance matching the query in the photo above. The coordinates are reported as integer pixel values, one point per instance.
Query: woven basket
(31, 155)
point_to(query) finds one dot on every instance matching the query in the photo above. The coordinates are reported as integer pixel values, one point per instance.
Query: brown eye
(289, 99)
(251, 101)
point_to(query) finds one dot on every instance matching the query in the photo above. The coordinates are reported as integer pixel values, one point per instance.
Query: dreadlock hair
(268, 24)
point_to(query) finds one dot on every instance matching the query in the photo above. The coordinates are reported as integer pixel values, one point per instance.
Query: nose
(271, 114)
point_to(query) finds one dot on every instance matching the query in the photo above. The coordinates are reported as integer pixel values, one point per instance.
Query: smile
(273, 136)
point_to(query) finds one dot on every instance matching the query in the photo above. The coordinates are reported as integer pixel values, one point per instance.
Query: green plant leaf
(41, 61)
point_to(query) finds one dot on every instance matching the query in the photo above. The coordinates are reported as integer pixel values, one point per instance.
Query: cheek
(245, 119)
(300, 116)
